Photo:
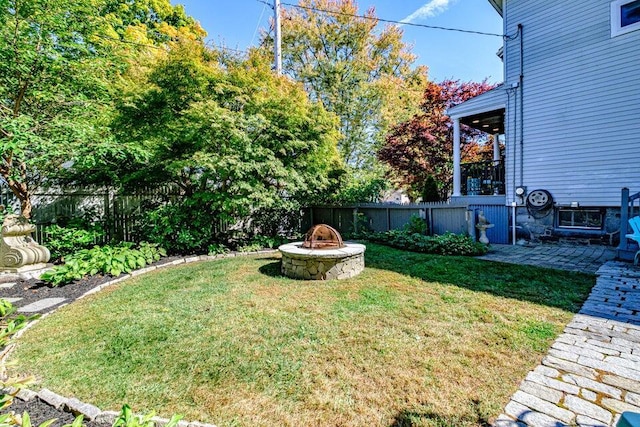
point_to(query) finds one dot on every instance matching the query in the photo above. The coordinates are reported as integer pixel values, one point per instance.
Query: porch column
(496, 149)
(456, 158)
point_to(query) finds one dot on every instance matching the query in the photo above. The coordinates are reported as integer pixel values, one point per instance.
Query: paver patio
(584, 258)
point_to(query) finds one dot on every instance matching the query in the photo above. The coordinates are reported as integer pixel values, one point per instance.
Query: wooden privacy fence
(439, 217)
(455, 217)
(116, 212)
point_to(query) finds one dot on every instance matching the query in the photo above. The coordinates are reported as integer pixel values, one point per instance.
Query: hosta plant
(112, 260)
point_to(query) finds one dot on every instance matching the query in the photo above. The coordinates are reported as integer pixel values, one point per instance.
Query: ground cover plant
(113, 260)
(415, 340)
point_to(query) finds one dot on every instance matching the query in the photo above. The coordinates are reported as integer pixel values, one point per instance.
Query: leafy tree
(59, 60)
(420, 151)
(235, 136)
(364, 75)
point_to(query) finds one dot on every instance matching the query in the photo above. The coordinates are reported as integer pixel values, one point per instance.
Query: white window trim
(616, 29)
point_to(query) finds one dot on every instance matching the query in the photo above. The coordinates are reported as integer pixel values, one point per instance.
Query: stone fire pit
(322, 256)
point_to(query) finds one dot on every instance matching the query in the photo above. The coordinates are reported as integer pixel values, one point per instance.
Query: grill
(322, 236)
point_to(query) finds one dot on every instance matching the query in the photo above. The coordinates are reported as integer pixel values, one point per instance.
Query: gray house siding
(581, 102)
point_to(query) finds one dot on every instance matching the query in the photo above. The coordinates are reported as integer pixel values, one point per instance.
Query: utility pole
(278, 38)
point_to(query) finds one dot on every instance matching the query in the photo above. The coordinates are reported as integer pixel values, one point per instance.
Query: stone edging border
(91, 412)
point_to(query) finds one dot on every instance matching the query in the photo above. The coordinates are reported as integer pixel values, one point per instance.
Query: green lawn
(416, 339)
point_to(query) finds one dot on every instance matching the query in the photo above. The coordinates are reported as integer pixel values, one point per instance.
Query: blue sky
(467, 57)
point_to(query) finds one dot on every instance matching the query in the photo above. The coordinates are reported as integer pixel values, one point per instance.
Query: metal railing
(483, 178)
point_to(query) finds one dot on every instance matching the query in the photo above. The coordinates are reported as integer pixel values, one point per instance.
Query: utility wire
(264, 7)
(209, 44)
(433, 27)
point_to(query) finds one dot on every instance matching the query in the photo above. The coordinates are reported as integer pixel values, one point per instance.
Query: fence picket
(116, 211)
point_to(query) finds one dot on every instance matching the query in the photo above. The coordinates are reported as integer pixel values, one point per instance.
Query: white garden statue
(482, 225)
(18, 250)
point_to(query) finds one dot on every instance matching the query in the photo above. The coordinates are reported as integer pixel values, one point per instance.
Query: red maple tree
(419, 151)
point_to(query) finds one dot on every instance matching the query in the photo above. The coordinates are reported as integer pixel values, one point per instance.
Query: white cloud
(429, 10)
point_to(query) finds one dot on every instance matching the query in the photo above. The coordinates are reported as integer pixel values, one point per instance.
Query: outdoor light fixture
(520, 191)
(475, 121)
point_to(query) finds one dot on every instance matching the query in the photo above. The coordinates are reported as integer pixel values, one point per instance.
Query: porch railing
(628, 209)
(483, 178)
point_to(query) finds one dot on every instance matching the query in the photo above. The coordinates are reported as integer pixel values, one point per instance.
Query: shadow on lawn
(407, 418)
(553, 288)
(272, 269)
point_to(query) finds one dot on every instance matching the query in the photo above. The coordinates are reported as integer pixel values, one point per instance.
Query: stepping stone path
(43, 304)
(591, 374)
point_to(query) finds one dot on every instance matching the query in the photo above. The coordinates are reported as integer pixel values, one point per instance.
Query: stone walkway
(582, 258)
(591, 374)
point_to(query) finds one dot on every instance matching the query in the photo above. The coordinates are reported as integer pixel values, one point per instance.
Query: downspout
(521, 106)
(515, 137)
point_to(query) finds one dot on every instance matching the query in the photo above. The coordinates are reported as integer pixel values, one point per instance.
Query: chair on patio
(635, 226)
(629, 419)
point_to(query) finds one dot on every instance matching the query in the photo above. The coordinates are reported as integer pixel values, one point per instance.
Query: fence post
(355, 220)
(107, 215)
(624, 219)
(471, 223)
(388, 219)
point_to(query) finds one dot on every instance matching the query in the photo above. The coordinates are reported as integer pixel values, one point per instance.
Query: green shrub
(217, 248)
(257, 243)
(275, 221)
(416, 225)
(111, 260)
(194, 226)
(63, 241)
(362, 225)
(185, 227)
(446, 244)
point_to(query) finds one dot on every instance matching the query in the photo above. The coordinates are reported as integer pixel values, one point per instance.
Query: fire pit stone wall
(312, 264)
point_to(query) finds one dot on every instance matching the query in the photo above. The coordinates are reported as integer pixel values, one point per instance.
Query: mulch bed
(33, 290)
(40, 412)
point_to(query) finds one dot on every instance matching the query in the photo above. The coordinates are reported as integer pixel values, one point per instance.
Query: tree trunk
(21, 191)
(26, 207)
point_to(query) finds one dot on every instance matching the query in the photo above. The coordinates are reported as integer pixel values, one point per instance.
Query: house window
(580, 218)
(625, 16)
